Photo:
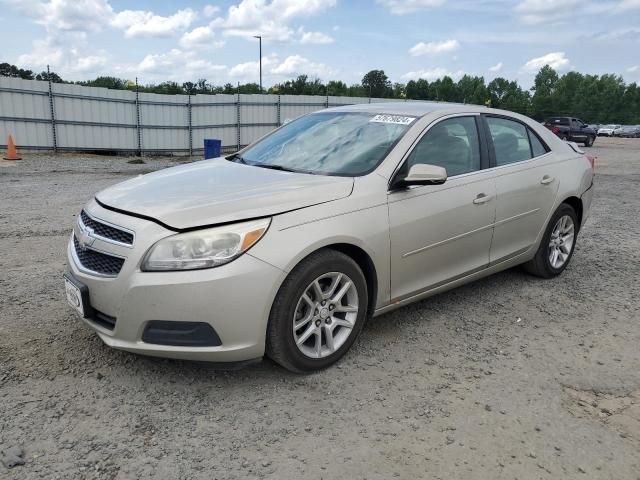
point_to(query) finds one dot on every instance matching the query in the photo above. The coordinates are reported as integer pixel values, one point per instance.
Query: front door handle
(481, 198)
(546, 180)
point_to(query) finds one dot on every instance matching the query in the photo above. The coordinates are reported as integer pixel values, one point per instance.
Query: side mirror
(422, 174)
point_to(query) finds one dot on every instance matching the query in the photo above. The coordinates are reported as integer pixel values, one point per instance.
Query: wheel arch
(576, 204)
(365, 262)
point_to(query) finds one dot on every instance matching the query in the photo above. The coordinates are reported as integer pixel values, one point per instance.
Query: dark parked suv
(571, 129)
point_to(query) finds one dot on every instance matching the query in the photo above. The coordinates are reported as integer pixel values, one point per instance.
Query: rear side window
(537, 148)
(510, 140)
(559, 121)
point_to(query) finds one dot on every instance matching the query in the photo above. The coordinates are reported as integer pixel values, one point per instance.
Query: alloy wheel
(561, 241)
(325, 315)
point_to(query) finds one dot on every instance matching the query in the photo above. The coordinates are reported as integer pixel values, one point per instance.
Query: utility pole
(259, 37)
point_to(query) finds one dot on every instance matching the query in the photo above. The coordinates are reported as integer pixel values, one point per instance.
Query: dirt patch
(621, 412)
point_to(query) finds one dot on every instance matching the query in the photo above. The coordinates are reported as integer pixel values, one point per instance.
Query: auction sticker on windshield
(398, 119)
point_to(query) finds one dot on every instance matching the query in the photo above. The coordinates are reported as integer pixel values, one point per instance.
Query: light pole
(259, 37)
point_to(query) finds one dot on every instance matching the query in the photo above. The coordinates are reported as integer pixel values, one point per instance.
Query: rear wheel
(557, 245)
(318, 312)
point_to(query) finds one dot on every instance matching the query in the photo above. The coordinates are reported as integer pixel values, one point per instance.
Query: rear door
(526, 186)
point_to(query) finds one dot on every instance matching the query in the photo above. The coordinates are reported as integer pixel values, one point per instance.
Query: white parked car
(607, 130)
(287, 247)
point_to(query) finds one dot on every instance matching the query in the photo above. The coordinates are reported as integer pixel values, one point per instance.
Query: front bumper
(235, 299)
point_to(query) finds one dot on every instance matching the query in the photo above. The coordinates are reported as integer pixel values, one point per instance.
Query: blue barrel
(212, 147)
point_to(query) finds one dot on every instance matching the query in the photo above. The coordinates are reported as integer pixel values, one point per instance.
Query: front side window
(331, 143)
(452, 144)
(510, 140)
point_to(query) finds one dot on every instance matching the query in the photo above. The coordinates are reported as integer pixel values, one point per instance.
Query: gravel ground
(508, 377)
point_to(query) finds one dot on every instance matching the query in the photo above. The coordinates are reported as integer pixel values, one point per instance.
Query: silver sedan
(287, 247)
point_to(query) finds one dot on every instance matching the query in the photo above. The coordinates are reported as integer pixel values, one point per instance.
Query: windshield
(331, 143)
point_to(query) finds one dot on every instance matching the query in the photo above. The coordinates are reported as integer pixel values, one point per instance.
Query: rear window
(558, 121)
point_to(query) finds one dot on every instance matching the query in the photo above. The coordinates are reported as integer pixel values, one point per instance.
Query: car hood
(218, 191)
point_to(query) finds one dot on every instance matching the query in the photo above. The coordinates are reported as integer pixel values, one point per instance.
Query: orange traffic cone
(12, 154)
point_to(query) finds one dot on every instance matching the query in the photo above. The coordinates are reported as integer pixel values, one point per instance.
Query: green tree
(107, 82)
(53, 76)
(544, 87)
(337, 88)
(377, 84)
(8, 70)
(419, 90)
(472, 90)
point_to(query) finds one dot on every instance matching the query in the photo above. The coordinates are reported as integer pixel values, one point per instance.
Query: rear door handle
(546, 180)
(481, 198)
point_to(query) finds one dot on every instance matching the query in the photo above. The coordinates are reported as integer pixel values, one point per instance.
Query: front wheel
(589, 141)
(557, 245)
(319, 311)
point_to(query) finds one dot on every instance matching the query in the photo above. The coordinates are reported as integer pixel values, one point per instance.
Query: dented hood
(219, 191)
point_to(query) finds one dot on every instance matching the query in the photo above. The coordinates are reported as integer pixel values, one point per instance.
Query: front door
(442, 232)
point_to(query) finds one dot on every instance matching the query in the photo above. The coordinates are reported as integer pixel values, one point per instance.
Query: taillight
(591, 159)
(555, 130)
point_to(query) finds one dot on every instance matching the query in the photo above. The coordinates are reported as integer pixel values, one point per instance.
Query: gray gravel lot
(508, 377)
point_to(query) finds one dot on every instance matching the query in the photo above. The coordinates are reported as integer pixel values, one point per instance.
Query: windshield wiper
(274, 167)
(236, 157)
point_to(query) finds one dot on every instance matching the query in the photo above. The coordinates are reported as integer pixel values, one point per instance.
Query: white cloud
(534, 12)
(496, 68)
(70, 62)
(619, 35)
(403, 7)
(556, 60)
(90, 63)
(66, 15)
(210, 10)
(434, 48)
(295, 65)
(633, 69)
(269, 19)
(629, 5)
(200, 37)
(176, 64)
(314, 38)
(138, 23)
(432, 74)
(249, 71)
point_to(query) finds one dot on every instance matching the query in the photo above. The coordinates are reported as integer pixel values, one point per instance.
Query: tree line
(593, 98)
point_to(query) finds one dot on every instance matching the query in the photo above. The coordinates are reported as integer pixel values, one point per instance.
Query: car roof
(415, 109)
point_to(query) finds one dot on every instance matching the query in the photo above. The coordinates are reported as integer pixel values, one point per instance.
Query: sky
(331, 39)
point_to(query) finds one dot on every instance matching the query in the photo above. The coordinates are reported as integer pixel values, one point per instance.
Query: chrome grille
(97, 262)
(106, 231)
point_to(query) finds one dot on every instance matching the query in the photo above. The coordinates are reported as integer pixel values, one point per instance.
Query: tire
(541, 265)
(589, 141)
(564, 137)
(290, 307)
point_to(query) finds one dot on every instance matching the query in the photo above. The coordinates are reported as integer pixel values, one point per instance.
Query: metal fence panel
(36, 136)
(94, 137)
(41, 115)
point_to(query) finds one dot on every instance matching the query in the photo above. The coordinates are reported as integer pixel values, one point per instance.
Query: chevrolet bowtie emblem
(85, 237)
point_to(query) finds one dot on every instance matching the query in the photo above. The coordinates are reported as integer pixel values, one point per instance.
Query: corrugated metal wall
(43, 116)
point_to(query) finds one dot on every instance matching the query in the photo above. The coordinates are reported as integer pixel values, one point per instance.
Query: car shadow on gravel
(442, 317)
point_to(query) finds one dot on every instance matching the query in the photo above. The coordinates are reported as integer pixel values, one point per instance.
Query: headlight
(204, 248)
